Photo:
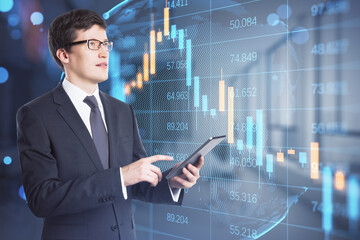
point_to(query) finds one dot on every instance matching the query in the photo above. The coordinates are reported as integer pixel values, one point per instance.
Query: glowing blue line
(114, 10)
(270, 228)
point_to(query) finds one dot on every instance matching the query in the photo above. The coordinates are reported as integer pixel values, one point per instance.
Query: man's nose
(103, 52)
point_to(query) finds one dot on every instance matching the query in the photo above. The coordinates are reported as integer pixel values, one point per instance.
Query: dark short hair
(62, 30)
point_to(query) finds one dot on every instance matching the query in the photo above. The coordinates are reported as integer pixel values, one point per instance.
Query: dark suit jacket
(63, 178)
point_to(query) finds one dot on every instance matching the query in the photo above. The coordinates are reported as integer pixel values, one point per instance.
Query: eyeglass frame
(110, 43)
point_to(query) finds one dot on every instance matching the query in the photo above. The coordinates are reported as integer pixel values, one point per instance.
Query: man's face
(89, 65)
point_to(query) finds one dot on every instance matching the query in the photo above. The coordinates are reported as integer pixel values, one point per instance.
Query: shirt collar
(77, 95)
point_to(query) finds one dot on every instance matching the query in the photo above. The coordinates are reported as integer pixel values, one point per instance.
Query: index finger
(156, 158)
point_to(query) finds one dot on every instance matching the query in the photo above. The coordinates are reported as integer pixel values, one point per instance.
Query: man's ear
(62, 55)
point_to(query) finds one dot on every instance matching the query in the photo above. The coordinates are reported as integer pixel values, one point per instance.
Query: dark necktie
(98, 131)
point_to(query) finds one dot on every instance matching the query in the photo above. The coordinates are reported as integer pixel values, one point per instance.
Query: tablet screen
(203, 150)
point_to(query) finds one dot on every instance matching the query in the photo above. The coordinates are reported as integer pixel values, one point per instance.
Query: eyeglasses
(94, 44)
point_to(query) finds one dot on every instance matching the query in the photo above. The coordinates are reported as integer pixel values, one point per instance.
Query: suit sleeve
(144, 191)
(47, 194)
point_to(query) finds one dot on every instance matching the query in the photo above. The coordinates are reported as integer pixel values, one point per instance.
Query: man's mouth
(102, 65)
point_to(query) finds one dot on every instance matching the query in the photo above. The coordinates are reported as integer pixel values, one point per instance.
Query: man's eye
(94, 44)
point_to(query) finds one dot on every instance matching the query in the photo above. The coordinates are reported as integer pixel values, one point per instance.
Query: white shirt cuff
(175, 193)
(123, 186)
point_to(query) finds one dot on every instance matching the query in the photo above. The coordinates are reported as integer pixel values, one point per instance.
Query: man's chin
(100, 79)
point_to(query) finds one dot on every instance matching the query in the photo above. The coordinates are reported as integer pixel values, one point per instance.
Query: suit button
(114, 227)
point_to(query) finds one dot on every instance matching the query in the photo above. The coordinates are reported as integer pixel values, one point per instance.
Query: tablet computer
(203, 150)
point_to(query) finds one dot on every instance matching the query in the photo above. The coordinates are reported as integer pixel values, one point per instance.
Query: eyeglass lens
(96, 44)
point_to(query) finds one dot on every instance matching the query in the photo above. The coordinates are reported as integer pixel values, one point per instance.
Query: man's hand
(143, 170)
(189, 177)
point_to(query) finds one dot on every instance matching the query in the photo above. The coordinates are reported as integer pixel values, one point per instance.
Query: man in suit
(81, 155)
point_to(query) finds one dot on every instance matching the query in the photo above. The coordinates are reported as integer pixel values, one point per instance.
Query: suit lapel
(69, 113)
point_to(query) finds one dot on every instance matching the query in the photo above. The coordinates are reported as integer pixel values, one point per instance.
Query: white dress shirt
(77, 97)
